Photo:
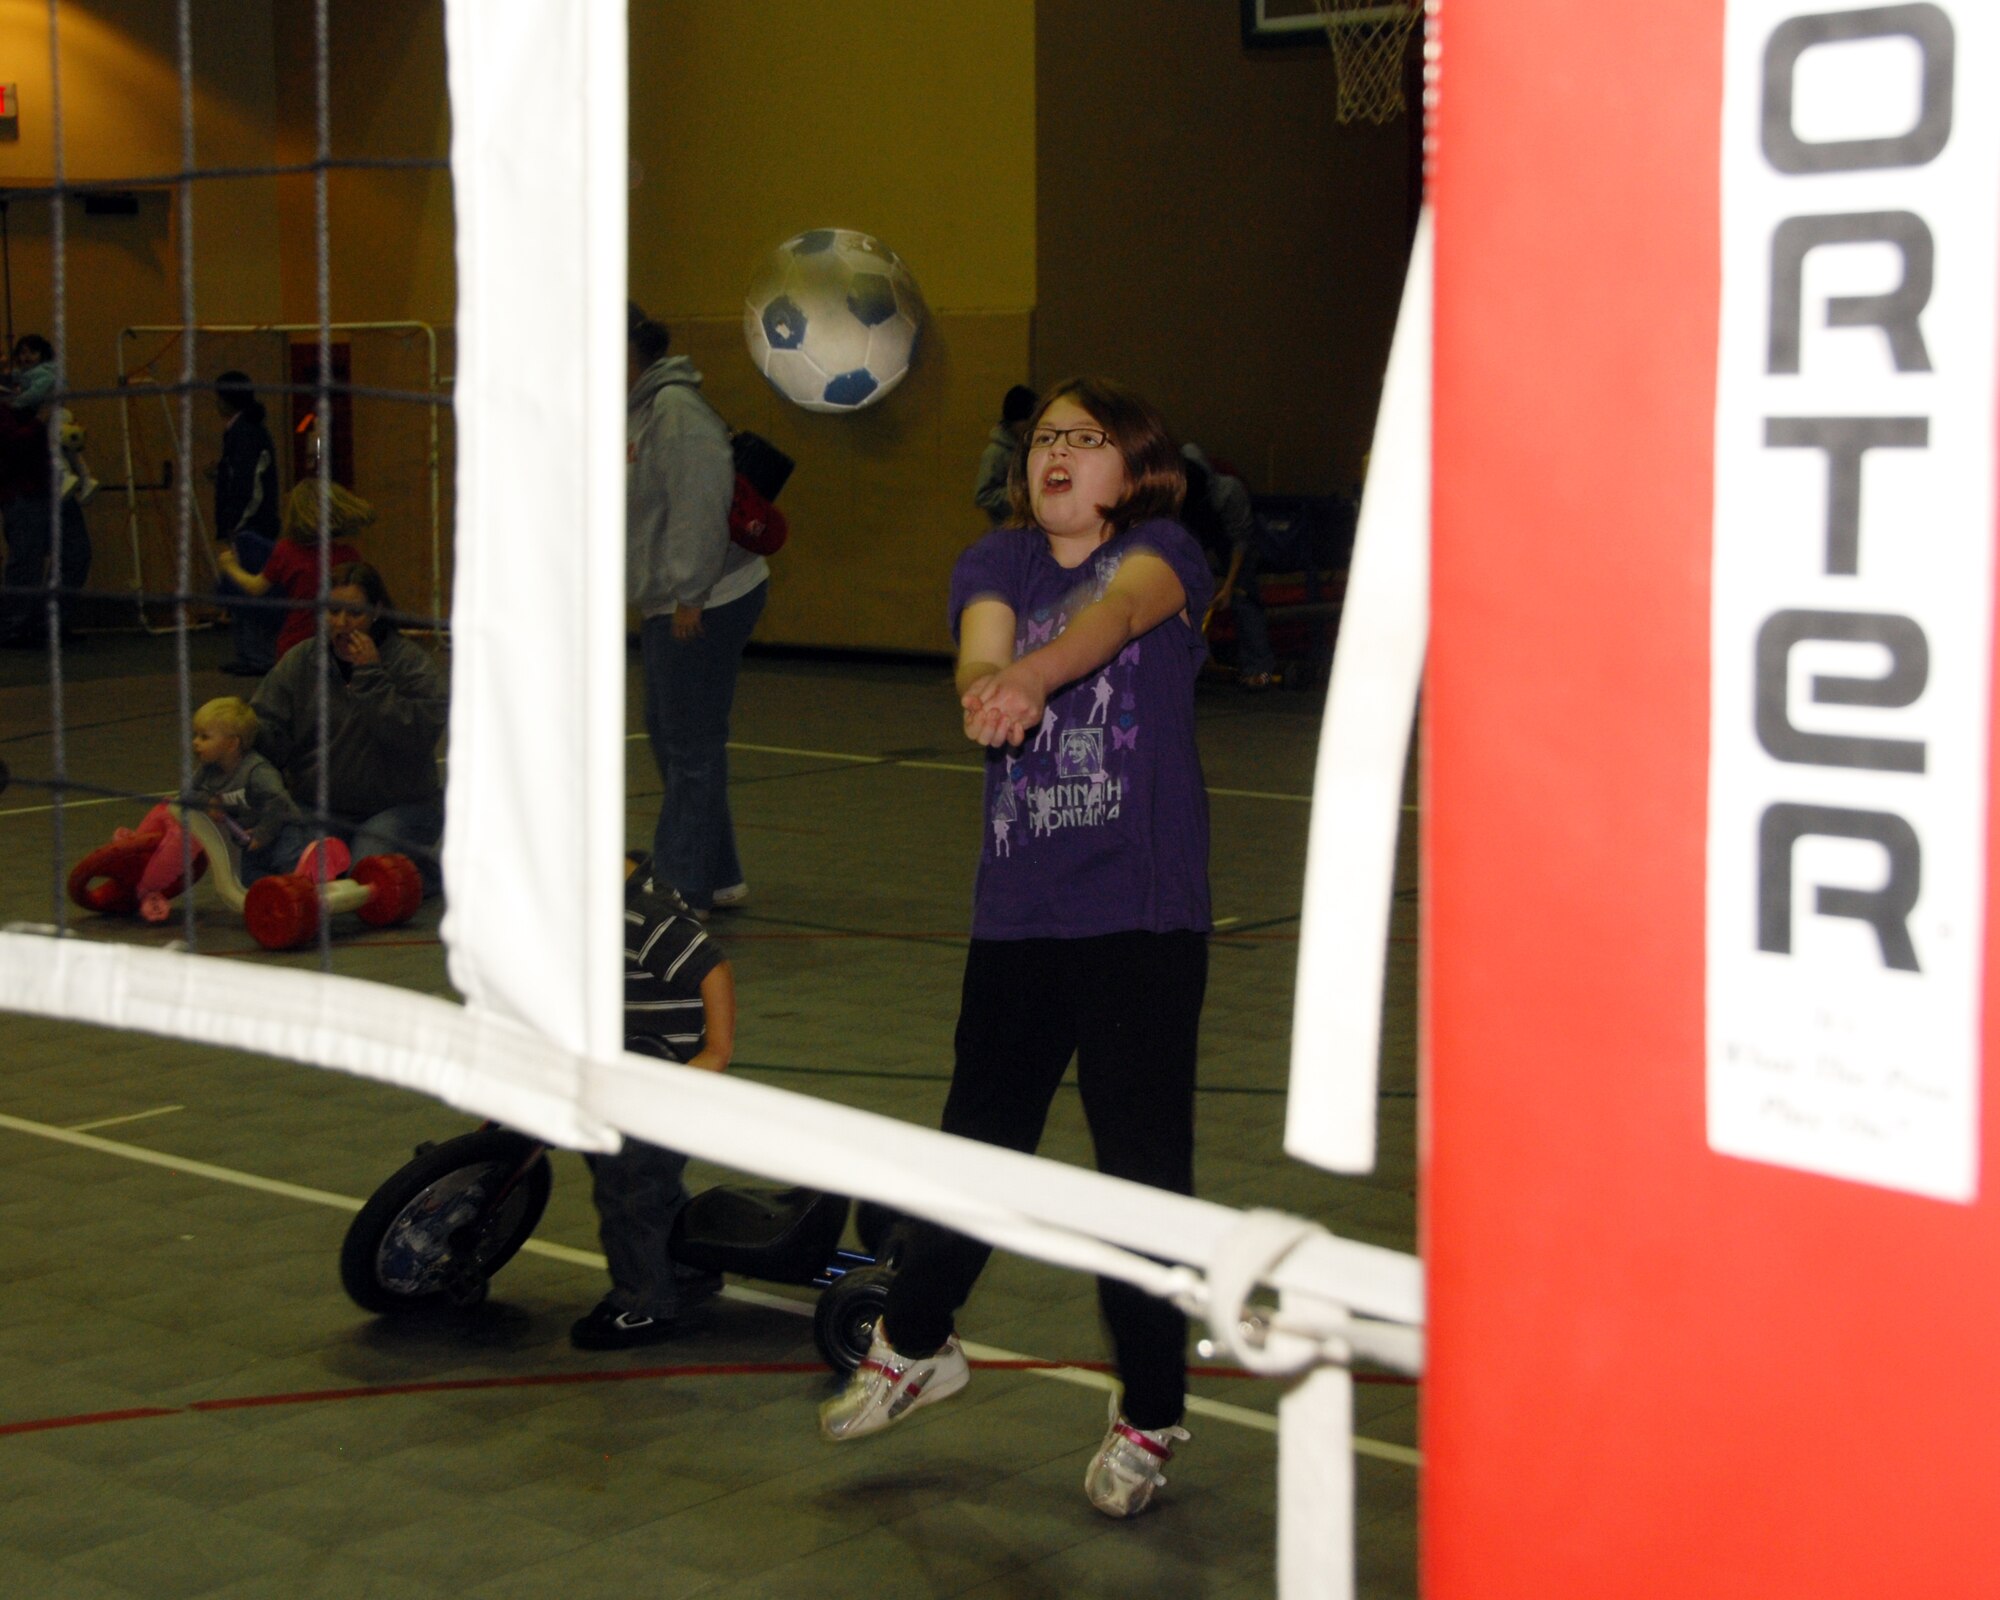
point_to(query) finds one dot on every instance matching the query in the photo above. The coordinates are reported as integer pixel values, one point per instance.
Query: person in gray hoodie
(698, 596)
(989, 488)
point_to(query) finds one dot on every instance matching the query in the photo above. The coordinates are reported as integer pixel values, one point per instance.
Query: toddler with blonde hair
(243, 791)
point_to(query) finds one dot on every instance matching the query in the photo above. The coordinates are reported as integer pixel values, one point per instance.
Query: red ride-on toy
(140, 872)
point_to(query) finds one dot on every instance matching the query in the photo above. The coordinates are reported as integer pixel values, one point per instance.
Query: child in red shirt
(292, 572)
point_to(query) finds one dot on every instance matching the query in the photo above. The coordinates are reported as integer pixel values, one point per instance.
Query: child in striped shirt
(680, 1005)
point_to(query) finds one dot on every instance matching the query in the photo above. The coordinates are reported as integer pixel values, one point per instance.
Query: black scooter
(434, 1234)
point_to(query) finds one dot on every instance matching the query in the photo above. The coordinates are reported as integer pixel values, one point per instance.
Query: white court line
(1221, 1411)
(71, 805)
(847, 756)
(132, 1116)
(854, 759)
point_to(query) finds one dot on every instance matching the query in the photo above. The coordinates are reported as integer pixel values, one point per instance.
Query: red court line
(42, 1424)
(533, 1380)
(543, 1380)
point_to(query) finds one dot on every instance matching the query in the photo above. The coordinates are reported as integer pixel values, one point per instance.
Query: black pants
(27, 527)
(1128, 1007)
(639, 1193)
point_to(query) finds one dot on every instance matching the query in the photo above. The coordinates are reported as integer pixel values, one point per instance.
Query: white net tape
(1369, 39)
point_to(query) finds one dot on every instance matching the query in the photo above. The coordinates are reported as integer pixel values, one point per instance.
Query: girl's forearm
(970, 672)
(1094, 635)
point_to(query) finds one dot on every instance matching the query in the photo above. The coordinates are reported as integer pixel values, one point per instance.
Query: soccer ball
(832, 318)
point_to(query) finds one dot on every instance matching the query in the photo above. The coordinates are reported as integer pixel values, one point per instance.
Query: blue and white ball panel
(871, 298)
(832, 318)
(783, 323)
(891, 346)
(796, 378)
(851, 389)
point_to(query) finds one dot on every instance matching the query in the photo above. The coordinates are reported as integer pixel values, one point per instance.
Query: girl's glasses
(1079, 438)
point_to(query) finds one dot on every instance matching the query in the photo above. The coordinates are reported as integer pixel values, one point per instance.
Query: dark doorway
(339, 431)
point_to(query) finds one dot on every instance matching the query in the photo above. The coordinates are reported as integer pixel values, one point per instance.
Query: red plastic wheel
(396, 889)
(107, 879)
(282, 913)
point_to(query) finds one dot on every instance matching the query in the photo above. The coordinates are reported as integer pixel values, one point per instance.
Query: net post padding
(534, 918)
(1369, 38)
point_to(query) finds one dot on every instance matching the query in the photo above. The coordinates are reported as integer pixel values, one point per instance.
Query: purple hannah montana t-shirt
(1098, 823)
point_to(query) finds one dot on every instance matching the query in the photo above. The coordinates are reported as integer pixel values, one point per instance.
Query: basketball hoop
(1368, 37)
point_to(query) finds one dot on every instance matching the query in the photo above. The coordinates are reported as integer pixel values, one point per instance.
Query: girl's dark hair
(36, 346)
(649, 339)
(233, 389)
(360, 575)
(1153, 463)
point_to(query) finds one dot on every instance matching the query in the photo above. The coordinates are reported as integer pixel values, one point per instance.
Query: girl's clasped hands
(1003, 707)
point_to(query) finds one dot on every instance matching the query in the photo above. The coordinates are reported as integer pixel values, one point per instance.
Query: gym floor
(190, 1406)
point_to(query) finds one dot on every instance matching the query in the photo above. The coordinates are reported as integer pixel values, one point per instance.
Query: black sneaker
(609, 1328)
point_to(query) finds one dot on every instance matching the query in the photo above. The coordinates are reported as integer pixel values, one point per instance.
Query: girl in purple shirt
(1078, 645)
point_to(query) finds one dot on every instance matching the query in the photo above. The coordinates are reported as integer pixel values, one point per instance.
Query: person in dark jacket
(989, 486)
(386, 705)
(246, 520)
(28, 488)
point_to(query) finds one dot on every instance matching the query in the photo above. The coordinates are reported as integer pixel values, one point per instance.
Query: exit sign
(10, 111)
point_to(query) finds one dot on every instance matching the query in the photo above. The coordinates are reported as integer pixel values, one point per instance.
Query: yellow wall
(1117, 187)
(121, 121)
(1212, 235)
(253, 238)
(910, 120)
(390, 253)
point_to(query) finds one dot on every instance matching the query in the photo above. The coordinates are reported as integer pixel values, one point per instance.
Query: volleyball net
(382, 373)
(536, 950)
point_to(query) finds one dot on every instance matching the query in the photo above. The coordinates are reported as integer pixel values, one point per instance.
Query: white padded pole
(1316, 1487)
(539, 166)
(1363, 744)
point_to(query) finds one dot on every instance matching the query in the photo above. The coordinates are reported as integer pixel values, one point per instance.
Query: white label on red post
(1853, 589)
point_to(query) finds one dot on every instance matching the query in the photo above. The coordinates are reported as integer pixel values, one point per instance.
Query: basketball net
(1368, 38)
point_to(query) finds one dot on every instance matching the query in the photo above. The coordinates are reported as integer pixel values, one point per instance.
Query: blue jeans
(690, 685)
(414, 830)
(1254, 656)
(280, 854)
(253, 627)
(639, 1194)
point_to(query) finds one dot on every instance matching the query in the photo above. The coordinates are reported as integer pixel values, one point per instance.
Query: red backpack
(761, 471)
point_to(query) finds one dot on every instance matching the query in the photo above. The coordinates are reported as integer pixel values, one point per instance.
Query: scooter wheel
(398, 889)
(282, 913)
(416, 1245)
(844, 1320)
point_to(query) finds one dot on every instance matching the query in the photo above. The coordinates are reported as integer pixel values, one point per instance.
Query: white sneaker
(887, 1387)
(1126, 1469)
(732, 897)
